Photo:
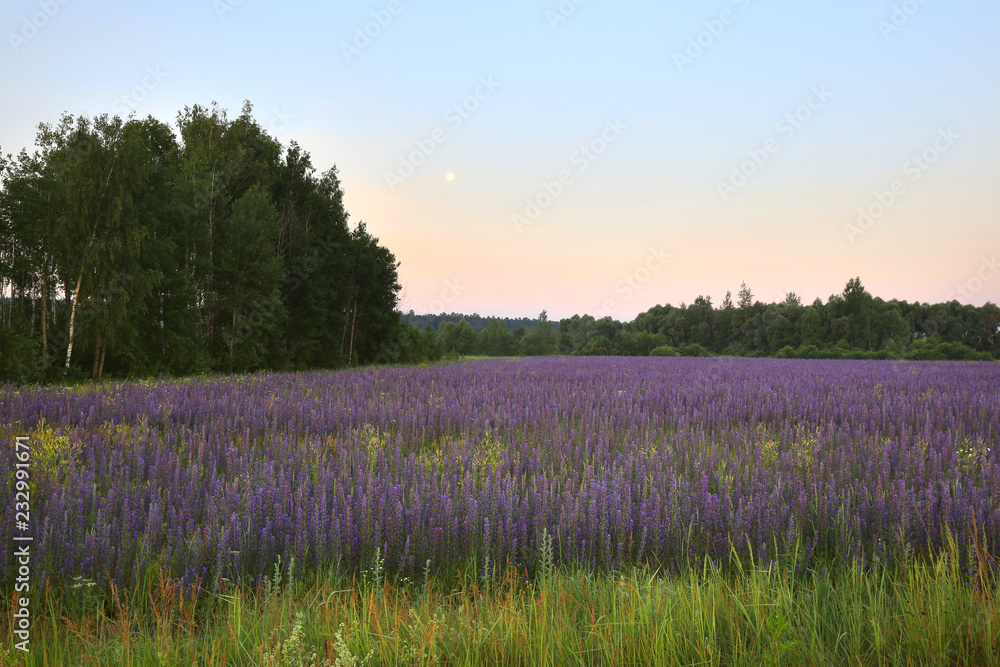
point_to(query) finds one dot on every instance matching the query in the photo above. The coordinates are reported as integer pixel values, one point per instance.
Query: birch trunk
(76, 295)
(45, 304)
(104, 348)
(72, 321)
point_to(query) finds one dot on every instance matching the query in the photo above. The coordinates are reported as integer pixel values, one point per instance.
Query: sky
(584, 156)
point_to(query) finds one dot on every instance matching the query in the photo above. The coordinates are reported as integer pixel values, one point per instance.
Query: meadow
(515, 511)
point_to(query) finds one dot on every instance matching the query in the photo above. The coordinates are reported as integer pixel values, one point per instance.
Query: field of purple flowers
(607, 462)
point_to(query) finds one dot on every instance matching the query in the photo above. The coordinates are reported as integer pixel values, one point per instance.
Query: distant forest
(852, 324)
(476, 321)
(127, 250)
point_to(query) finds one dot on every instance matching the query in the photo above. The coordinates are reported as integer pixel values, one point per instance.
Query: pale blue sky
(673, 132)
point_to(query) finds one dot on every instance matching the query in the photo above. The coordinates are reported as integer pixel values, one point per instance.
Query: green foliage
(694, 350)
(850, 325)
(936, 350)
(19, 360)
(599, 345)
(731, 612)
(542, 339)
(132, 250)
(495, 340)
(53, 453)
(457, 338)
(371, 297)
(639, 343)
(664, 351)
(546, 555)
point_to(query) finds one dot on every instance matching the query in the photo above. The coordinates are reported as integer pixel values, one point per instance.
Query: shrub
(808, 352)
(599, 346)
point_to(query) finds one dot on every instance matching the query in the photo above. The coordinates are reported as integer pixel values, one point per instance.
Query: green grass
(921, 614)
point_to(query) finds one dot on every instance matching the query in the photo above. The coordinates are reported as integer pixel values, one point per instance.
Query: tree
(578, 330)
(121, 300)
(313, 240)
(857, 309)
(371, 315)
(495, 340)
(599, 345)
(889, 327)
(741, 331)
(184, 253)
(431, 347)
(457, 338)
(607, 327)
(98, 169)
(541, 340)
(247, 278)
(28, 207)
(744, 297)
(638, 343)
(701, 317)
(809, 327)
(779, 329)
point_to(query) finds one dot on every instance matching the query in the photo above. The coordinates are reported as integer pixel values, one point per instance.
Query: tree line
(129, 250)
(851, 324)
(476, 321)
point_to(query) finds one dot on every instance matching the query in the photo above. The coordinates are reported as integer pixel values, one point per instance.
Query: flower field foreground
(600, 463)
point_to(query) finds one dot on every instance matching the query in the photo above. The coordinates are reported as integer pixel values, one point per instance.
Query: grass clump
(738, 614)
